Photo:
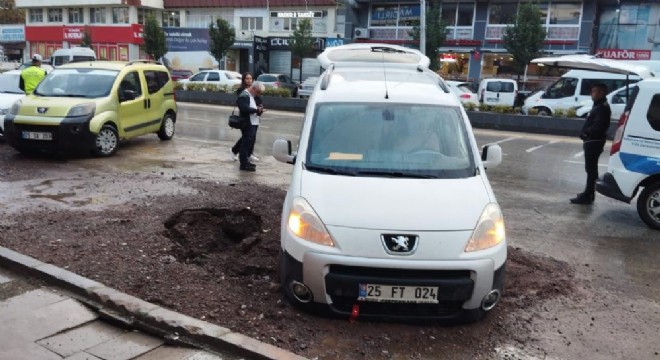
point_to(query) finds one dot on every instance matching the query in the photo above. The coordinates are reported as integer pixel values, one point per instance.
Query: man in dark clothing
(250, 112)
(594, 134)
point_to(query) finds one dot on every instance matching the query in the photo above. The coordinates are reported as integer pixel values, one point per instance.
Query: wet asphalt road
(611, 249)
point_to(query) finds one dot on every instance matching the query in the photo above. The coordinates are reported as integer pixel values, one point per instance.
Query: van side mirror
(491, 156)
(282, 151)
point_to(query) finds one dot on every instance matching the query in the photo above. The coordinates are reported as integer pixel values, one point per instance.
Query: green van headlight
(82, 110)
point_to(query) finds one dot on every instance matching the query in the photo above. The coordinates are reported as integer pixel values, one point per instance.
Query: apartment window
(290, 24)
(76, 16)
(120, 15)
(36, 15)
(55, 15)
(502, 14)
(252, 23)
(171, 19)
(565, 14)
(143, 15)
(97, 15)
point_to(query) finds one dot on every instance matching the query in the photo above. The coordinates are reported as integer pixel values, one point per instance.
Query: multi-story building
(115, 25)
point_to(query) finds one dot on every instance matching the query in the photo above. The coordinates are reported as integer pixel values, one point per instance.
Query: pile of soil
(213, 256)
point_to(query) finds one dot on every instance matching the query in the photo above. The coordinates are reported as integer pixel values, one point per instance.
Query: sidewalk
(42, 323)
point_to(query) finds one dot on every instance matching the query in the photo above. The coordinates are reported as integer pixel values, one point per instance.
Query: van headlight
(304, 222)
(489, 230)
(82, 110)
(14, 108)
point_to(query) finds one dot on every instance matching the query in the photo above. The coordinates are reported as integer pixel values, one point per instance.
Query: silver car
(307, 87)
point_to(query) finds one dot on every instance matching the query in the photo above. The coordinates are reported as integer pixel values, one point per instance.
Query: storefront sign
(138, 31)
(619, 54)
(260, 43)
(279, 43)
(12, 33)
(186, 39)
(296, 14)
(242, 45)
(331, 42)
(73, 33)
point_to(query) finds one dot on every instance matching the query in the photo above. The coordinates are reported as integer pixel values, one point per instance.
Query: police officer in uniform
(593, 135)
(32, 75)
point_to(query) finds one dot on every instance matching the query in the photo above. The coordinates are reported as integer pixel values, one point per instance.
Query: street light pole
(422, 26)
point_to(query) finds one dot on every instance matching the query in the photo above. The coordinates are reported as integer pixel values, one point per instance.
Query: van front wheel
(166, 131)
(106, 141)
(544, 112)
(648, 205)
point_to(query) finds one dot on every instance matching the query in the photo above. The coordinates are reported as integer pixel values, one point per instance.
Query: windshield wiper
(397, 174)
(328, 170)
(12, 92)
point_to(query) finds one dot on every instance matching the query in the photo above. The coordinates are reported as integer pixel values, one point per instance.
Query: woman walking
(246, 81)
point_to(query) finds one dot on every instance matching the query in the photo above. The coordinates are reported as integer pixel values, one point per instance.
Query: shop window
(502, 14)
(171, 19)
(36, 15)
(252, 23)
(120, 15)
(385, 15)
(76, 16)
(55, 15)
(97, 15)
(565, 14)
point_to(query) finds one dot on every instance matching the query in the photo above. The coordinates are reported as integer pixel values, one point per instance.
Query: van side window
(653, 115)
(564, 87)
(153, 85)
(131, 82)
(163, 78)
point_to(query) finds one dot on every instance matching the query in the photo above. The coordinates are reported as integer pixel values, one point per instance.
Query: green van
(91, 106)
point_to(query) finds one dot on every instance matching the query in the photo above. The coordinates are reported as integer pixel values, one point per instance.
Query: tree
(221, 38)
(154, 43)
(87, 38)
(302, 42)
(436, 34)
(9, 14)
(524, 39)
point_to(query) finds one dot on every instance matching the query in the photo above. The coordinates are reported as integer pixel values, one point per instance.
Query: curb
(143, 315)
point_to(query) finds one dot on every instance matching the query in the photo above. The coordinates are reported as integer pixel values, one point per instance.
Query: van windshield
(390, 140)
(85, 83)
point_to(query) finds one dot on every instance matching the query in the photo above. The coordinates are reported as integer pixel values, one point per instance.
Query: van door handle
(148, 103)
(498, 95)
(145, 103)
(576, 99)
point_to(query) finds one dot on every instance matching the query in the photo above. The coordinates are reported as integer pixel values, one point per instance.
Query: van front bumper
(608, 186)
(334, 280)
(70, 134)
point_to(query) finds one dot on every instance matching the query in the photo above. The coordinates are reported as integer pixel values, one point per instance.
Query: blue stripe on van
(640, 164)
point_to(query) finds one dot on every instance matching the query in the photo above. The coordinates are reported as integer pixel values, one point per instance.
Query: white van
(634, 165)
(389, 213)
(571, 90)
(65, 56)
(493, 92)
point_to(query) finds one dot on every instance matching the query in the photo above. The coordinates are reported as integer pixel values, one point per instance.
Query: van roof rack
(144, 61)
(372, 54)
(325, 82)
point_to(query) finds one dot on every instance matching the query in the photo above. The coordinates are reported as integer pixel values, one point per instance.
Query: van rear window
(500, 86)
(653, 115)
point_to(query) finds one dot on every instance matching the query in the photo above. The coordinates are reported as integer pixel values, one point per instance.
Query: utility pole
(422, 26)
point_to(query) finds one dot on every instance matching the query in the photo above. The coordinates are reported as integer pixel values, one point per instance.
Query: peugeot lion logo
(399, 244)
(42, 110)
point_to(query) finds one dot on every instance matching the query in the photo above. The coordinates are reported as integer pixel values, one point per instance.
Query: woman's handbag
(236, 121)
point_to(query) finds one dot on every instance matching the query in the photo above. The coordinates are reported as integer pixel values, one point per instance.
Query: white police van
(634, 165)
(389, 213)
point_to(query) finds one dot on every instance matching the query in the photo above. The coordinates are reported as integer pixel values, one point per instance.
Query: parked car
(74, 54)
(617, 100)
(463, 91)
(9, 93)
(214, 77)
(180, 74)
(279, 81)
(91, 106)
(362, 232)
(306, 89)
(494, 92)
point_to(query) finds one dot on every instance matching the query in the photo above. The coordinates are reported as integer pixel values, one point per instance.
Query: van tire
(167, 127)
(544, 112)
(106, 141)
(648, 199)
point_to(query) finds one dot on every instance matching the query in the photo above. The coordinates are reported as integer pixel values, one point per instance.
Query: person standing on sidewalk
(593, 135)
(246, 81)
(249, 110)
(32, 75)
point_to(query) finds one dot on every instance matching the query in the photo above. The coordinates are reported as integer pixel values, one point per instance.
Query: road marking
(580, 154)
(540, 146)
(582, 163)
(507, 139)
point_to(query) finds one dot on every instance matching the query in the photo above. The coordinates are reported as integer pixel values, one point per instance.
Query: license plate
(493, 99)
(32, 135)
(402, 294)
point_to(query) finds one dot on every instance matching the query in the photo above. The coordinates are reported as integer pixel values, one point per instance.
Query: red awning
(169, 4)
